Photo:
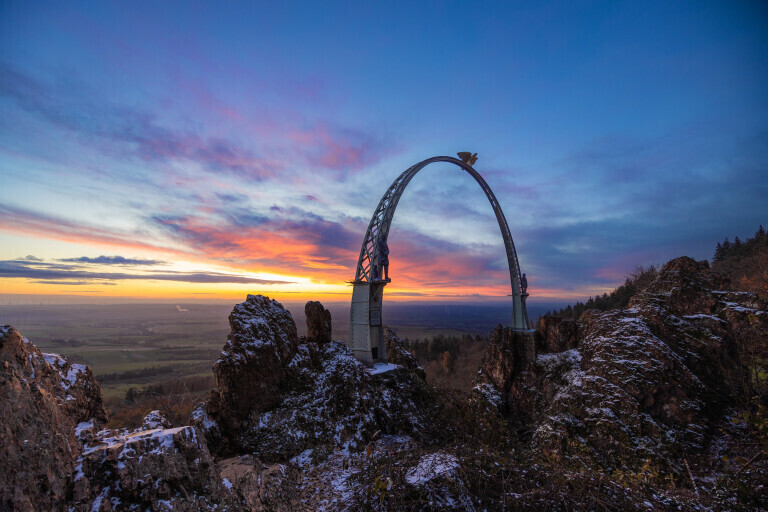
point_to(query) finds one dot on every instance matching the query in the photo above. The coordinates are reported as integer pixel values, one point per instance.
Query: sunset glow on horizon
(207, 151)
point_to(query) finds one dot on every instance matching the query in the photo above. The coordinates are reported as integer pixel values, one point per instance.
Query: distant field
(134, 345)
(114, 339)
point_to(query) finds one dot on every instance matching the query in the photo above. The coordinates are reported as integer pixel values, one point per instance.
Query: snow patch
(83, 426)
(432, 466)
(303, 459)
(383, 368)
(55, 360)
(702, 315)
(201, 417)
(569, 356)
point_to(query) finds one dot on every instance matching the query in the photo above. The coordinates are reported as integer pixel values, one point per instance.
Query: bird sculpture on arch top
(366, 337)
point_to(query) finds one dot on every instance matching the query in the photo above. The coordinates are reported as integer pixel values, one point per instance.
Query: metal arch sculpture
(366, 337)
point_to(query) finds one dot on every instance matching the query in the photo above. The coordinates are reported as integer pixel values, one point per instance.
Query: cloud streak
(141, 135)
(48, 273)
(112, 260)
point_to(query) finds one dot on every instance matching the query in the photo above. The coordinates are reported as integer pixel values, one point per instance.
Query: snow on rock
(154, 419)
(625, 397)
(383, 368)
(431, 466)
(303, 459)
(486, 392)
(251, 370)
(569, 356)
(83, 427)
(150, 467)
(335, 400)
(276, 407)
(640, 385)
(399, 355)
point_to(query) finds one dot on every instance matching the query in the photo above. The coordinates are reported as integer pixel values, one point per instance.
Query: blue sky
(253, 140)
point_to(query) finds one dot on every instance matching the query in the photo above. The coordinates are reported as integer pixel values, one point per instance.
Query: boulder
(318, 322)
(263, 487)
(43, 397)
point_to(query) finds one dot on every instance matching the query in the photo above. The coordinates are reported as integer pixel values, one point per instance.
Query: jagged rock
(322, 395)
(261, 487)
(335, 402)
(250, 373)
(42, 399)
(643, 385)
(498, 364)
(684, 286)
(318, 323)
(155, 419)
(397, 354)
(148, 468)
(690, 307)
(556, 334)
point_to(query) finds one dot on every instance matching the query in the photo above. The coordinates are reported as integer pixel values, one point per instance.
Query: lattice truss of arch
(382, 219)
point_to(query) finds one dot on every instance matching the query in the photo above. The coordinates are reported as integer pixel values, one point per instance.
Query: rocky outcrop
(556, 334)
(613, 404)
(251, 371)
(498, 364)
(319, 396)
(263, 487)
(685, 287)
(397, 354)
(508, 354)
(55, 455)
(152, 467)
(43, 397)
(318, 323)
(632, 388)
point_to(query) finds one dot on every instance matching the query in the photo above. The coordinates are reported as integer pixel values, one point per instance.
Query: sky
(206, 150)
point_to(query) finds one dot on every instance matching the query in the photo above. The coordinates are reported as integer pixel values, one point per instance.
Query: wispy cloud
(74, 283)
(112, 260)
(137, 133)
(30, 222)
(52, 273)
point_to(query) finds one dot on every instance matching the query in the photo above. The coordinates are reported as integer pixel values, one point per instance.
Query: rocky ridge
(639, 391)
(631, 409)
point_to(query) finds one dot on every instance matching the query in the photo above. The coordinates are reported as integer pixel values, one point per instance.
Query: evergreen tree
(726, 247)
(718, 252)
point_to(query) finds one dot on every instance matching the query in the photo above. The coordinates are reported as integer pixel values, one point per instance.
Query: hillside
(744, 263)
(653, 406)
